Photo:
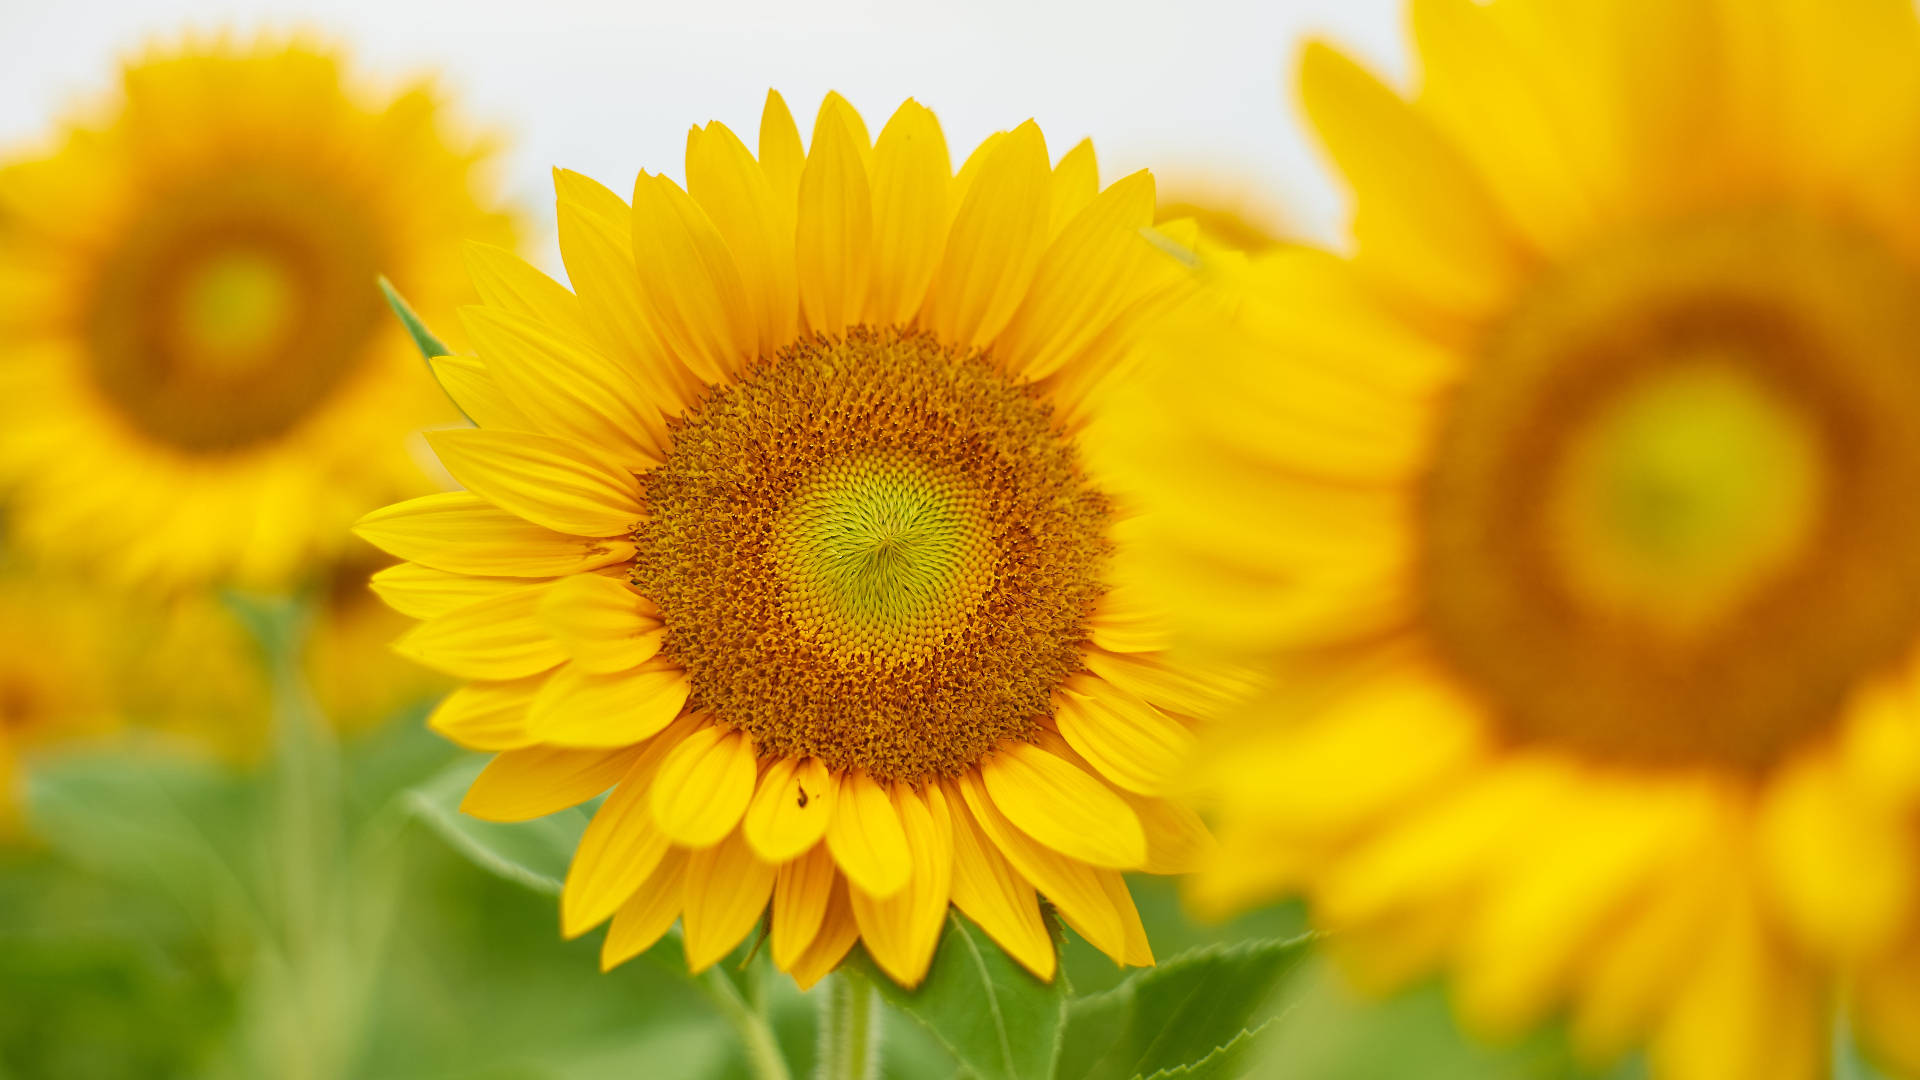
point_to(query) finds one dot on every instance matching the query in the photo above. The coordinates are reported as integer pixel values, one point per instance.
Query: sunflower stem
(849, 1032)
(756, 1035)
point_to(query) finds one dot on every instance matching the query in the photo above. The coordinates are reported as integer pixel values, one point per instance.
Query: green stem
(847, 1029)
(756, 1035)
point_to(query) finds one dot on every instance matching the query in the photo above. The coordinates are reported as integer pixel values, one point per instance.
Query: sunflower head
(1575, 495)
(194, 350)
(780, 525)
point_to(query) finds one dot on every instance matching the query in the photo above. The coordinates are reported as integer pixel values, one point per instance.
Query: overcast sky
(609, 88)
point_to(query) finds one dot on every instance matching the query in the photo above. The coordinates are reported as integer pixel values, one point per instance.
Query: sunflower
(1574, 506)
(194, 361)
(779, 527)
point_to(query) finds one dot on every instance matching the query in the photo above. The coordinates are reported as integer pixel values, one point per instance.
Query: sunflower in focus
(194, 360)
(1575, 507)
(779, 526)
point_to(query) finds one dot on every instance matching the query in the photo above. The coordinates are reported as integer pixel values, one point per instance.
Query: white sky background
(610, 87)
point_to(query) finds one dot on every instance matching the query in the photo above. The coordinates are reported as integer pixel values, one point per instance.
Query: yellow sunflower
(779, 527)
(197, 378)
(1577, 503)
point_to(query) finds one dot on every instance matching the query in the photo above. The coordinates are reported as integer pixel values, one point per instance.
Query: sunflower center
(874, 550)
(230, 309)
(1666, 520)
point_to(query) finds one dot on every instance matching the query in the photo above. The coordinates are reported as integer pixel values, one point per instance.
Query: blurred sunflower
(779, 528)
(1578, 504)
(194, 361)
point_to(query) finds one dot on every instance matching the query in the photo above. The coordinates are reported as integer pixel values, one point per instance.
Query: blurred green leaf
(531, 853)
(1178, 1014)
(430, 346)
(996, 1019)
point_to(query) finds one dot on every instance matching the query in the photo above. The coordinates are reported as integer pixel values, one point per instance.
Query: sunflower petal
(519, 785)
(487, 715)
(621, 847)
(461, 533)
(1064, 808)
(912, 177)
(900, 931)
(993, 894)
(737, 195)
(790, 809)
(1131, 743)
(1073, 886)
(727, 888)
(648, 914)
(602, 623)
(421, 592)
(801, 891)
(688, 281)
(704, 787)
(997, 238)
(582, 707)
(558, 483)
(496, 638)
(866, 837)
(835, 238)
(838, 932)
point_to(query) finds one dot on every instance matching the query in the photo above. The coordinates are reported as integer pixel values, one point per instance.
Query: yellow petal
(496, 638)
(998, 236)
(648, 914)
(837, 934)
(1422, 216)
(1124, 621)
(901, 931)
(602, 623)
(1744, 1007)
(462, 533)
(565, 388)
(1086, 279)
(866, 837)
(597, 247)
(790, 809)
(505, 281)
(835, 105)
(1076, 180)
(912, 175)
(727, 888)
(1063, 807)
(1137, 951)
(520, 785)
(1072, 886)
(1177, 839)
(688, 281)
(1839, 865)
(781, 153)
(558, 483)
(1131, 743)
(834, 239)
(477, 394)
(801, 891)
(421, 592)
(1189, 690)
(704, 786)
(580, 707)
(994, 895)
(487, 715)
(737, 195)
(621, 847)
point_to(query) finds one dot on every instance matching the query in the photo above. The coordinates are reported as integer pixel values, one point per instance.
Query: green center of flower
(1668, 518)
(874, 550)
(883, 557)
(235, 307)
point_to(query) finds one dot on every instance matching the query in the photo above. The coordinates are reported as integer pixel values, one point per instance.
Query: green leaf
(1236, 1059)
(995, 1018)
(531, 853)
(430, 347)
(1180, 1014)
